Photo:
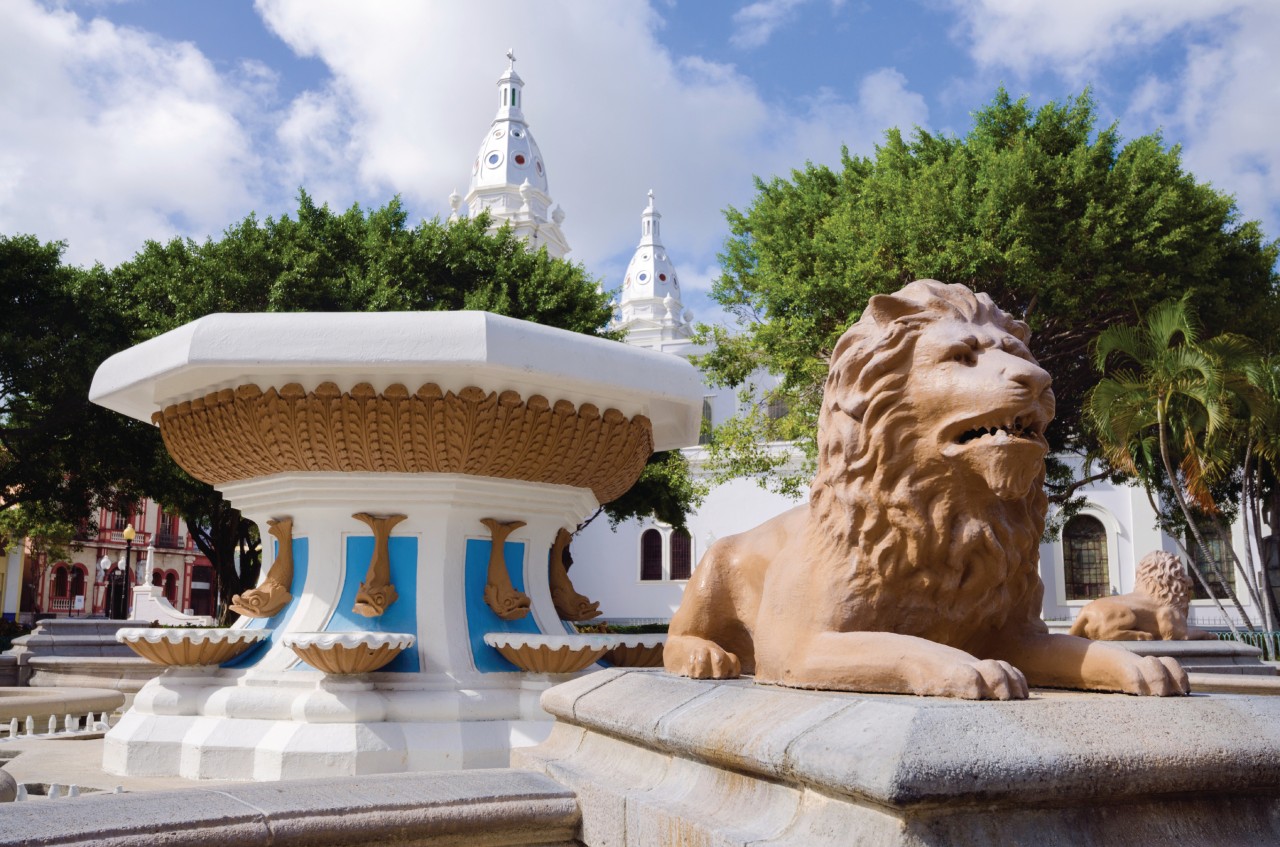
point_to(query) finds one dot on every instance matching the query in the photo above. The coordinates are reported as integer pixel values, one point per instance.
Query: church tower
(650, 309)
(509, 177)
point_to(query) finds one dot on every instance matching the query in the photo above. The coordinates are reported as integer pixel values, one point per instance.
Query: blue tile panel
(480, 618)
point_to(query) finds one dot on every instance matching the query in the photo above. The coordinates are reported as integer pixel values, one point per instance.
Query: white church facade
(638, 571)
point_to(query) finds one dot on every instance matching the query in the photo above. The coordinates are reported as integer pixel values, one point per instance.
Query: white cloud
(614, 112)
(1221, 100)
(111, 136)
(754, 24)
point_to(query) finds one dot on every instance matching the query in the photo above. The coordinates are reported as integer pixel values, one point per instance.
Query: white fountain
(411, 474)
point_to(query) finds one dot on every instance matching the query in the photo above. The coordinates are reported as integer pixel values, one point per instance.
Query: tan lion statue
(913, 568)
(1155, 611)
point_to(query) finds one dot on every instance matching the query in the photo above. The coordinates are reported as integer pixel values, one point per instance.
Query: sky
(133, 120)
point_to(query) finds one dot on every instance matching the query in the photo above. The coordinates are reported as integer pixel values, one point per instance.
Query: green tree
(1064, 225)
(1164, 386)
(60, 456)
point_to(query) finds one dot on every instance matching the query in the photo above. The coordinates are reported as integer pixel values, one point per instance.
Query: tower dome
(509, 177)
(650, 309)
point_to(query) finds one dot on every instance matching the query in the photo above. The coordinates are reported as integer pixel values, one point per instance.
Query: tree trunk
(1208, 589)
(1191, 524)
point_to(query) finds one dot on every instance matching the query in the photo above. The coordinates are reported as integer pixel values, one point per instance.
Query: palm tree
(1166, 388)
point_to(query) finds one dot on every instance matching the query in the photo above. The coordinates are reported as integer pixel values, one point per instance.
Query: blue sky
(124, 121)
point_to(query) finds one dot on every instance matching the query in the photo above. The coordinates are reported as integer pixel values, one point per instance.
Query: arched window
(705, 429)
(60, 582)
(681, 554)
(77, 582)
(651, 556)
(1218, 550)
(1084, 553)
(157, 578)
(171, 587)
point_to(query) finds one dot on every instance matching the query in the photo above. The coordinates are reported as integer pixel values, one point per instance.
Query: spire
(650, 309)
(508, 178)
(649, 225)
(511, 92)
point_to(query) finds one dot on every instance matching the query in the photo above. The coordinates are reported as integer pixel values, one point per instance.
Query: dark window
(121, 521)
(681, 554)
(1218, 550)
(157, 578)
(77, 582)
(60, 582)
(171, 588)
(1084, 547)
(777, 409)
(651, 555)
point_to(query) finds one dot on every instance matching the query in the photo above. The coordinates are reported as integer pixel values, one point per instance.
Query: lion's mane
(1161, 576)
(911, 542)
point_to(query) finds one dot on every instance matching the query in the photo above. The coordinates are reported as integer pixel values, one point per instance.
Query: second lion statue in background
(914, 567)
(1156, 610)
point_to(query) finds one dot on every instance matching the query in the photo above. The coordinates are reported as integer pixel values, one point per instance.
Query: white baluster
(73, 791)
(13, 727)
(31, 725)
(53, 724)
(21, 793)
(55, 791)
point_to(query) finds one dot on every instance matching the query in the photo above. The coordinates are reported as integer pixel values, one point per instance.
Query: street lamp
(129, 535)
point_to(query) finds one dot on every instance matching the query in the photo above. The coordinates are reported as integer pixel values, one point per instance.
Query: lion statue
(913, 568)
(1155, 611)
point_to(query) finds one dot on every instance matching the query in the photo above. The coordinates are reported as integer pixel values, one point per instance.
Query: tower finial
(511, 56)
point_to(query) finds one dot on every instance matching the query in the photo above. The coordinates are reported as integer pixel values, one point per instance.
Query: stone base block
(658, 759)
(501, 808)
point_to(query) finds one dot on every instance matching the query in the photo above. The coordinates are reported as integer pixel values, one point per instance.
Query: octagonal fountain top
(452, 350)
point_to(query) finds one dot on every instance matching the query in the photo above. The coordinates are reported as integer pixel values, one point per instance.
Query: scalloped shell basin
(348, 652)
(571, 653)
(453, 350)
(189, 646)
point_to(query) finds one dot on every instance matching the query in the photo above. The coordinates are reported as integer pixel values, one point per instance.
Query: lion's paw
(698, 658)
(1156, 676)
(988, 679)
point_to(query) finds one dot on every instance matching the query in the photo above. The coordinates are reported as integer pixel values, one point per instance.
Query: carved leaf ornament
(246, 432)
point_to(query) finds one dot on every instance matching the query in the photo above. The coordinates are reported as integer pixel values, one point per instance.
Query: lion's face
(982, 402)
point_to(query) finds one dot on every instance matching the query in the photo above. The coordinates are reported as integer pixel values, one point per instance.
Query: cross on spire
(511, 56)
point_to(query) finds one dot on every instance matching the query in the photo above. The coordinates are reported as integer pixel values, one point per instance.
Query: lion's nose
(1031, 377)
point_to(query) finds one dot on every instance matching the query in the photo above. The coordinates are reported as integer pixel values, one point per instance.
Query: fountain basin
(637, 651)
(415, 471)
(188, 647)
(536, 653)
(342, 653)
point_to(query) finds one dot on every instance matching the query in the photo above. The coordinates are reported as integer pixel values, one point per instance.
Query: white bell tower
(509, 177)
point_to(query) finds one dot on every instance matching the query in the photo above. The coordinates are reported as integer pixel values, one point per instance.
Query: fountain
(411, 473)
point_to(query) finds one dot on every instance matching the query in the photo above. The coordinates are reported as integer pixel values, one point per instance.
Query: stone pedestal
(658, 759)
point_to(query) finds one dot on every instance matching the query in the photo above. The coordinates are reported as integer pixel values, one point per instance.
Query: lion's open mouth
(1019, 428)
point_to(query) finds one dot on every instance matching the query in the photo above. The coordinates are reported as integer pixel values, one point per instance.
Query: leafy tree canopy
(1065, 226)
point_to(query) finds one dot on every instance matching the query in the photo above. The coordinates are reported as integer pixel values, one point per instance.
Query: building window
(651, 556)
(171, 588)
(681, 555)
(706, 428)
(777, 409)
(1218, 550)
(60, 585)
(1084, 553)
(77, 582)
(168, 531)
